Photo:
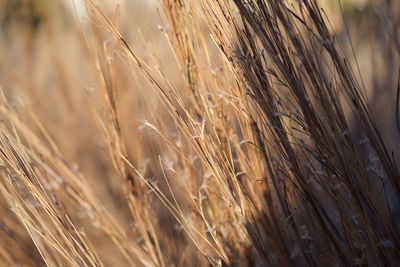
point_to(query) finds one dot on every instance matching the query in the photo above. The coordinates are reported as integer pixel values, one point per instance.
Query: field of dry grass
(199, 133)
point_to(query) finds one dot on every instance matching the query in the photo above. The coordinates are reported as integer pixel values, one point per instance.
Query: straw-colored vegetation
(199, 133)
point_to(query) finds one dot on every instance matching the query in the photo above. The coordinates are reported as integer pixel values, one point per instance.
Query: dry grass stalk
(263, 167)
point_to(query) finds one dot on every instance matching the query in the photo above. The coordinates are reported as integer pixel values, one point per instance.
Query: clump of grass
(249, 158)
